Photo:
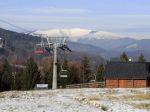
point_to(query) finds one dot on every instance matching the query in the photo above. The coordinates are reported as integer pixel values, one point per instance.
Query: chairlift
(63, 72)
(47, 49)
(40, 47)
(39, 50)
(65, 48)
(2, 43)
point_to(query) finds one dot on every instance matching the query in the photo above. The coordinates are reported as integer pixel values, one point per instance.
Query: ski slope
(75, 100)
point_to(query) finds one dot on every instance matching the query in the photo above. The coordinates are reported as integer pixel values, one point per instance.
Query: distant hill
(115, 47)
(18, 44)
(137, 45)
(108, 44)
(22, 46)
(98, 49)
(112, 44)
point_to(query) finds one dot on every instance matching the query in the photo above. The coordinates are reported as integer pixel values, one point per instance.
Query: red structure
(39, 51)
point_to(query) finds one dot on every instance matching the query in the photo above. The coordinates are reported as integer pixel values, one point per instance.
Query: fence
(87, 85)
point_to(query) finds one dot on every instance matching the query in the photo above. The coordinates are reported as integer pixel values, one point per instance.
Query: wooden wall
(111, 83)
(140, 83)
(125, 83)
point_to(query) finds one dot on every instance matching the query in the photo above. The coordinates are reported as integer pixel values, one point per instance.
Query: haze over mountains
(77, 33)
(106, 40)
(96, 44)
(22, 46)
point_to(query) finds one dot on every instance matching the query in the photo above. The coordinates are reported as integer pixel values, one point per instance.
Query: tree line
(26, 78)
(124, 58)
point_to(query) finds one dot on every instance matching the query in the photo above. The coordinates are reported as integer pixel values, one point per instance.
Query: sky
(129, 18)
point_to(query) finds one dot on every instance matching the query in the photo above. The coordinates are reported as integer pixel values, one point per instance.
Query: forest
(25, 77)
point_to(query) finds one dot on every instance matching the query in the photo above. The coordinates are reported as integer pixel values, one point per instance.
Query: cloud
(45, 17)
(58, 17)
(55, 10)
(44, 11)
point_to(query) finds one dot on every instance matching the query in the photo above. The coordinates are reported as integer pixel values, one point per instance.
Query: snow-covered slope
(137, 45)
(131, 46)
(106, 40)
(77, 33)
(76, 100)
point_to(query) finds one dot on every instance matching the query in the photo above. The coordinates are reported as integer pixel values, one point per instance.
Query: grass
(2, 95)
(13, 96)
(8, 95)
(134, 96)
(93, 98)
(142, 106)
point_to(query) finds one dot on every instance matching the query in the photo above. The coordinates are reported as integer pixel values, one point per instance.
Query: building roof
(127, 70)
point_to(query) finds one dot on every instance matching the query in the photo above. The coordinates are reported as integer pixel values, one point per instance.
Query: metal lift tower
(54, 43)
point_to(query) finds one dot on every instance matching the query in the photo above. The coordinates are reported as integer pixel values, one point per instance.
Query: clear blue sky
(126, 17)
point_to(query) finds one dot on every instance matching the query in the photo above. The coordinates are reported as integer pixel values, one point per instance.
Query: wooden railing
(87, 85)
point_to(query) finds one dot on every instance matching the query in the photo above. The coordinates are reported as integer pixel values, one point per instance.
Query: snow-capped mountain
(88, 43)
(113, 43)
(105, 40)
(76, 34)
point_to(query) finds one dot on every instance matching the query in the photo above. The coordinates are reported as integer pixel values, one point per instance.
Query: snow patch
(72, 100)
(78, 33)
(132, 46)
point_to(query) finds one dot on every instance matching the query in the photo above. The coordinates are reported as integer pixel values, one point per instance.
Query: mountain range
(98, 45)
(23, 46)
(109, 44)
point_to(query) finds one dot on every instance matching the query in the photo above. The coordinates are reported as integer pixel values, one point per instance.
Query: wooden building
(127, 75)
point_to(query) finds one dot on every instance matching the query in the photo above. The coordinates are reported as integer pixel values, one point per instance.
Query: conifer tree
(124, 57)
(31, 74)
(141, 58)
(75, 72)
(49, 76)
(19, 80)
(0, 80)
(99, 74)
(85, 69)
(6, 76)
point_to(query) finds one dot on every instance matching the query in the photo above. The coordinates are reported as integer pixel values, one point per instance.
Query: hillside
(98, 49)
(113, 43)
(18, 44)
(23, 45)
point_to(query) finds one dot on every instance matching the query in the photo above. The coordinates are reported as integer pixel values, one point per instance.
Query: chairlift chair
(63, 72)
(39, 50)
(2, 43)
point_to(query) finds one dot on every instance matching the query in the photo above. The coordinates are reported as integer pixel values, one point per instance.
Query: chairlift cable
(15, 26)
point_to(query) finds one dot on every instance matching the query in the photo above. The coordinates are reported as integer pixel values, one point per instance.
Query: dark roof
(127, 70)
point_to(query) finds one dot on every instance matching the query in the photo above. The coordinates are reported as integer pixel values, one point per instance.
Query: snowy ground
(76, 100)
